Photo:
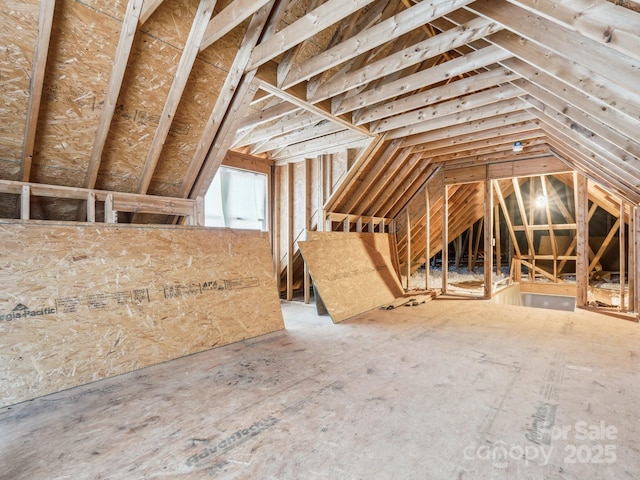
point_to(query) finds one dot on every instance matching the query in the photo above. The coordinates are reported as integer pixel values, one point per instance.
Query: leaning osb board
(353, 272)
(18, 34)
(83, 44)
(84, 302)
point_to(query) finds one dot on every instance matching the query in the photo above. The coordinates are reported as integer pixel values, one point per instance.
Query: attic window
(237, 199)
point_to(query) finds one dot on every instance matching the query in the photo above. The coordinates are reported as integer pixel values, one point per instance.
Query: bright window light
(237, 199)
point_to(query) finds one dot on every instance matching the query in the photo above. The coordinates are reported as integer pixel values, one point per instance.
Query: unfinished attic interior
(302, 239)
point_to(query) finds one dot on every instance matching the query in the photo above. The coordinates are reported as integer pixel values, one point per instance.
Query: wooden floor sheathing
(450, 389)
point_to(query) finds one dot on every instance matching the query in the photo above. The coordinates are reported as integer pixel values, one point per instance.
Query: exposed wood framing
(290, 232)
(125, 202)
(622, 249)
(408, 227)
(371, 38)
(445, 237)
(488, 238)
(308, 165)
(127, 34)
(233, 15)
(427, 237)
(191, 48)
(313, 22)
(47, 7)
(233, 100)
(582, 248)
(632, 259)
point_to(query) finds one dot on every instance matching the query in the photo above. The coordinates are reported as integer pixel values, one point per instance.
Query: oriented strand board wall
(18, 34)
(84, 302)
(353, 272)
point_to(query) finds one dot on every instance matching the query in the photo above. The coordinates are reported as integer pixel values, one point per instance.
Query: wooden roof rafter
(191, 49)
(45, 23)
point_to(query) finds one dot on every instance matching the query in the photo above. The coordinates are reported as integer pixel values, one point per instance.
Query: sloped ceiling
(148, 96)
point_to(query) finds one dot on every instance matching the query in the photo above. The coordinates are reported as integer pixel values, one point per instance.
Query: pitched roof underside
(149, 96)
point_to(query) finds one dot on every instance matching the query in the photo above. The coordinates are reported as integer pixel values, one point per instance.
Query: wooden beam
(91, 207)
(291, 122)
(277, 225)
(45, 22)
(123, 50)
(427, 237)
(110, 214)
(415, 54)
(496, 109)
(373, 37)
(625, 148)
(496, 222)
(25, 203)
(472, 61)
(298, 97)
(618, 68)
(445, 237)
(523, 216)
(191, 48)
(606, 167)
(328, 144)
(317, 129)
(576, 76)
(233, 15)
(552, 234)
(277, 110)
(545, 87)
(488, 239)
(476, 247)
(471, 128)
(582, 249)
(433, 95)
(233, 99)
(451, 107)
(290, 232)
(289, 57)
(308, 174)
(622, 249)
(408, 217)
(304, 28)
(247, 162)
(575, 155)
(631, 259)
(634, 302)
(507, 217)
(598, 20)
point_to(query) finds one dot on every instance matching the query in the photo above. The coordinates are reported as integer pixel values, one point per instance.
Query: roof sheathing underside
(408, 85)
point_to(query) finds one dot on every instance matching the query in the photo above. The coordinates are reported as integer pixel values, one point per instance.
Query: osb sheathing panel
(83, 43)
(198, 100)
(83, 302)
(18, 34)
(152, 65)
(353, 272)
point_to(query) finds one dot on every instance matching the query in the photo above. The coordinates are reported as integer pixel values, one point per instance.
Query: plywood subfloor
(436, 391)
